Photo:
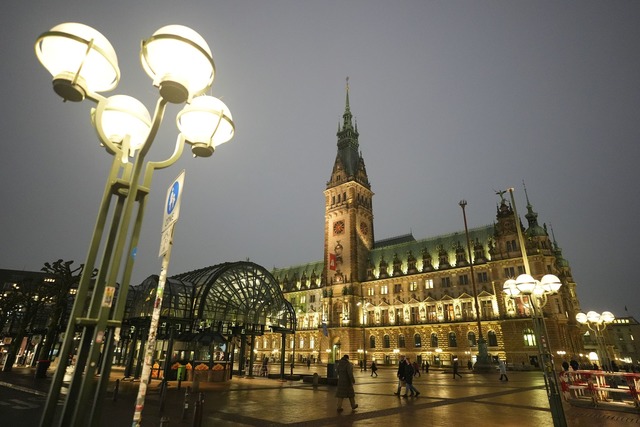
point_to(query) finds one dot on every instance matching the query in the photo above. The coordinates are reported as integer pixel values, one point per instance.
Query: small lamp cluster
(525, 284)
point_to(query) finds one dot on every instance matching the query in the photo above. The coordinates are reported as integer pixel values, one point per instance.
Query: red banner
(332, 261)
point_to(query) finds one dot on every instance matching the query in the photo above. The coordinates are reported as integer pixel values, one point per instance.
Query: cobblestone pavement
(479, 400)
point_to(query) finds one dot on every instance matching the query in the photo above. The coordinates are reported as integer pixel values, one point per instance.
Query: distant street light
(597, 323)
(83, 63)
(537, 292)
(483, 361)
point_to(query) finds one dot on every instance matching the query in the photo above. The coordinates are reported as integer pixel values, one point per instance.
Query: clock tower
(348, 225)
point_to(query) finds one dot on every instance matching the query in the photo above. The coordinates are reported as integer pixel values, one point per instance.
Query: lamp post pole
(537, 294)
(483, 364)
(83, 63)
(597, 323)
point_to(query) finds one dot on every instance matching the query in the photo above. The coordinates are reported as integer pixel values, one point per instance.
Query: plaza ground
(475, 399)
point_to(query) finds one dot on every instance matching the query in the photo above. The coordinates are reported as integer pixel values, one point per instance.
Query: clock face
(338, 227)
(364, 228)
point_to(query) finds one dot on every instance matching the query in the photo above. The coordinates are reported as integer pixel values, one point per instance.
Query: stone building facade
(380, 299)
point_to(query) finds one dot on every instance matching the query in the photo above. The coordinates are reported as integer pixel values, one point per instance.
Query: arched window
(401, 342)
(493, 339)
(434, 340)
(386, 342)
(453, 341)
(372, 341)
(417, 341)
(529, 338)
(471, 337)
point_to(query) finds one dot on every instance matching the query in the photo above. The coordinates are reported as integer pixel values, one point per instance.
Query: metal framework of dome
(233, 298)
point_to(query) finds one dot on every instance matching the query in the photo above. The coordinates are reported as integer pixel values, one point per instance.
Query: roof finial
(347, 105)
(525, 193)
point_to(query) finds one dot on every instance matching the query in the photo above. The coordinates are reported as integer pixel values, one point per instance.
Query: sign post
(171, 214)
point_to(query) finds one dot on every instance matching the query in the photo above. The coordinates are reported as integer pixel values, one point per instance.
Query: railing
(607, 390)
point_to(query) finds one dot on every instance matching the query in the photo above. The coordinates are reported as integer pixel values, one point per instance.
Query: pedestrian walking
(503, 370)
(374, 369)
(308, 363)
(400, 375)
(416, 369)
(426, 367)
(455, 368)
(345, 383)
(408, 379)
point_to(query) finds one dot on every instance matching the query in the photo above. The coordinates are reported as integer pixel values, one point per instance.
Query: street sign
(172, 202)
(165, 241)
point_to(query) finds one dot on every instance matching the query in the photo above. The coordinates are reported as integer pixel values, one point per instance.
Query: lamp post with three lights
(597, 323)
(83, 63)
(537, 293)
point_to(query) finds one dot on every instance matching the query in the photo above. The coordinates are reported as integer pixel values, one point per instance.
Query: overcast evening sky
(453, 100)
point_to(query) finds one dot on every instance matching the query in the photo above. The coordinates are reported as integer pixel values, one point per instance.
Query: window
(413, 286)
(385, 342)
(446, 282)
(431, 313)
(483, 277)
(493, 339)
(312, 298)
(401, 342)
(372, 342)
(370, 292)
(511, 246)
(448, 312)
(428, 284)
(303, 299)
(471, 337)
(434, 340)
(463, 280)
(453, 341)
(509, 272)
(384, 290)
(417, 341)
(397, 288)
(486, 307)
(529, 338)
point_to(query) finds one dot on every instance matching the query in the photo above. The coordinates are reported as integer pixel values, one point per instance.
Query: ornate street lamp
(537, 292)
(83, 64)
(597, 323)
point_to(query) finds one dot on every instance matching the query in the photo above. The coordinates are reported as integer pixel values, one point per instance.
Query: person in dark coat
(374, 369)
(455, 368)
(345, 383)
(408, 379)
(400, 375)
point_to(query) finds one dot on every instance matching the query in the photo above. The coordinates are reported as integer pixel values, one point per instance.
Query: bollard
(197, 413)
(163, 394)
(116, 389)
(185, 406)
(164, 422)
(315, 380)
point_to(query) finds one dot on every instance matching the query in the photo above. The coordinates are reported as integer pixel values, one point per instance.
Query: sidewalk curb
(24, 389)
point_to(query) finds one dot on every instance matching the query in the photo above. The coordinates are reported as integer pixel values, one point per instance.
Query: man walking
(408, 379)
(345, 383)
(455, 368)
(503, 370)
(400, 375)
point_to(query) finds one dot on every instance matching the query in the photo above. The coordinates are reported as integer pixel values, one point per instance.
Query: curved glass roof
(224, 298)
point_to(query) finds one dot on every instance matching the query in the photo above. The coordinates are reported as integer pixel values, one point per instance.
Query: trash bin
(41, 368)
(181, 373)
(331, 370)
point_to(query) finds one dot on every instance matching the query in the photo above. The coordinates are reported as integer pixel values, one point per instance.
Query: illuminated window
(384, 290)
(428, 284)
(413, 286)
(417, 341)
(529, 338)
(471, 337)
